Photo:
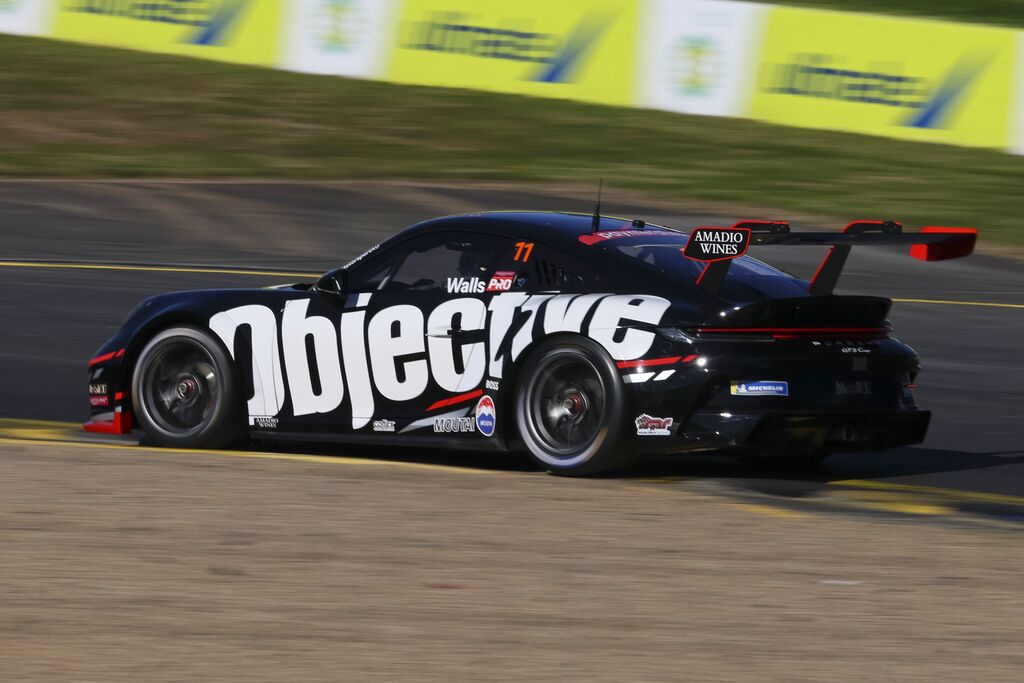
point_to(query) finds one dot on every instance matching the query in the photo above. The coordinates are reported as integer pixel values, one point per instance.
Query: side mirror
(334, 282)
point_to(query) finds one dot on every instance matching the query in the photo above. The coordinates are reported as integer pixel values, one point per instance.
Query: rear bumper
(775, 434)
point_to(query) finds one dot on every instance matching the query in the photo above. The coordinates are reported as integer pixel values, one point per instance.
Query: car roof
(557, 229)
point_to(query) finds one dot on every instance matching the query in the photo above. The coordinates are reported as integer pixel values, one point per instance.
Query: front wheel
(184, 391)
(570, 407)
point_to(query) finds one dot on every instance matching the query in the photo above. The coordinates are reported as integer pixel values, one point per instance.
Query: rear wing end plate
(718, 247)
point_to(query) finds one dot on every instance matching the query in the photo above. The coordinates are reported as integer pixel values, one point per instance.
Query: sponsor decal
(359, 258)
(384, 425)
(717, 244)
(227, 30)
(580, 49)
(25, 17)
(501, 281)
(923, 103)
(491, 384)
(95, 389)
(265, 422)
(402, 361)
(761, 388)
(340, 37)
(466, 285)
(648, 425)
(598, 237)
(700, 56)
(486, 416)
(919, 80)
(99, 401)
(454, 425)
(557, 57)
(856, 388)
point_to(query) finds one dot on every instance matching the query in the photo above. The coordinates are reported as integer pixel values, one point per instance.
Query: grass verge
(74, 111)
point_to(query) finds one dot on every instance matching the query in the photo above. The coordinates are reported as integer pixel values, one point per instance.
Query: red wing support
(933, 243)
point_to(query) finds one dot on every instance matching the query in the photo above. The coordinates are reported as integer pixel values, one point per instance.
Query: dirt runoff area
(139, 565)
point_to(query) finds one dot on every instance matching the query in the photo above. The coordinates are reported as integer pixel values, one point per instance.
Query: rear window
(668, 260)
(748, 280)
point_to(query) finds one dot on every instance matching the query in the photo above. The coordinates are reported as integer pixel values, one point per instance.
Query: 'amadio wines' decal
(717, 244)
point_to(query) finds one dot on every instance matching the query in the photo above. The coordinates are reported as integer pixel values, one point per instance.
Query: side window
(368, 277)
(549, 269)
(450, 262)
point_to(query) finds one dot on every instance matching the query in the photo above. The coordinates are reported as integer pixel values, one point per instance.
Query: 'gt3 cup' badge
(717, 244)
(486, 417)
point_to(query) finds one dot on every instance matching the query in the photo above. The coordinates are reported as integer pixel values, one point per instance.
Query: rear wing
(718, 247)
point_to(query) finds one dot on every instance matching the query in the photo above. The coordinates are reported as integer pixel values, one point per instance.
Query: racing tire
(185, 393)
(570, 408)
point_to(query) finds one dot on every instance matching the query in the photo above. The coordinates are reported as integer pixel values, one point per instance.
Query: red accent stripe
(105, 357)
(648, 361)
(793, 330)
(821, 266)
(121, 425)
(644, 362)
(461, 398)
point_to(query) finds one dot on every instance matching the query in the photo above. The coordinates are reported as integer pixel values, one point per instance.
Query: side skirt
(493, 445)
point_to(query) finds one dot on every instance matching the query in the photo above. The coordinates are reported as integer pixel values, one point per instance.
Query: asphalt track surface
(966, 317)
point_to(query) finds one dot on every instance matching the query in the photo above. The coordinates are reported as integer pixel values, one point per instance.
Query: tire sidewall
(607, 451)
(226, 424)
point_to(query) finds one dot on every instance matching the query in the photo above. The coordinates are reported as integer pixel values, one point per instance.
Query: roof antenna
(596, 222)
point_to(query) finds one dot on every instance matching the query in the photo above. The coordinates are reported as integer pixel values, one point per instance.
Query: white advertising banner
(339, 37)
(26, 17)
(700, 56)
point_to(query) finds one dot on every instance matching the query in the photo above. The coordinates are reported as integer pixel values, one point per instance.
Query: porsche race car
(581, 340)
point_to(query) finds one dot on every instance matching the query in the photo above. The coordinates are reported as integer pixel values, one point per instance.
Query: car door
(424, 323)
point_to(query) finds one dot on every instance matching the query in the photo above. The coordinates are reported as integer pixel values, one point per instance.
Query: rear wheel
(184, 391)
(570, 408)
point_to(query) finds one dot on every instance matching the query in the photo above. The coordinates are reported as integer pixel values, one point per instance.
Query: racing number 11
(523, 251)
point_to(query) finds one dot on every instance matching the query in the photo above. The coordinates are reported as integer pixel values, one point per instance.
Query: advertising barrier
(699, 56)
(1017, 116)
(918, 80)
(922, 80)
(574, 49)
(25, 17)
(244, 31)
(338, 37)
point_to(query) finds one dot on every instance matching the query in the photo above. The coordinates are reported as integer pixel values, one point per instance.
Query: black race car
(583, 340)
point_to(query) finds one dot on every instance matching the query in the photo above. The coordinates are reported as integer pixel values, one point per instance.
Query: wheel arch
(150, 329)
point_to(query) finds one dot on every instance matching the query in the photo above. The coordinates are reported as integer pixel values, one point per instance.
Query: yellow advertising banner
(573, 49)
(244, 31)
(928, 81)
